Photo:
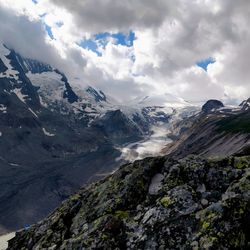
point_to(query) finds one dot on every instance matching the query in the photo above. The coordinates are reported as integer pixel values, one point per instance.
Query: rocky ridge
(214, 132)
(156, 203)
(212, 105)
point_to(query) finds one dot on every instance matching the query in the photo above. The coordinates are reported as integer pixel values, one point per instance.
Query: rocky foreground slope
(156, 203)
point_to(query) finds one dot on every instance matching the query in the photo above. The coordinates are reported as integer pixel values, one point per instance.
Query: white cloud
(96, 16)
(171, 36)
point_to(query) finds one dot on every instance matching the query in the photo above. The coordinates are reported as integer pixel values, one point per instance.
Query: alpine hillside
(56, 136)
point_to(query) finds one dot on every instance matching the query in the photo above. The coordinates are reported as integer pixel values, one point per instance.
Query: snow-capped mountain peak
(49, 88)
(163, 101)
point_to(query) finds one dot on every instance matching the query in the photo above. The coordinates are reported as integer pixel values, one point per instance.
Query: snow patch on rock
(48, 133)
(20, 95)
(33, 112)
(3, 108)
(10, 72)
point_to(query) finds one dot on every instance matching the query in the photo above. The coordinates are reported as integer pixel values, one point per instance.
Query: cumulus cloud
(171, 37)
(28, 37)
(96, 15)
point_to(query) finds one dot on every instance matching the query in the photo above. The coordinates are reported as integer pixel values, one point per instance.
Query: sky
(194, 49)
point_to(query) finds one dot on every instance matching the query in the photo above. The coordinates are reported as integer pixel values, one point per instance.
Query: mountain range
(61, 142)
(56, 136)
(217, 131)
(192, 198)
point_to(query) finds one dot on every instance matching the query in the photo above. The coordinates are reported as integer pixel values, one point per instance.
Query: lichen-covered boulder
(156, 203)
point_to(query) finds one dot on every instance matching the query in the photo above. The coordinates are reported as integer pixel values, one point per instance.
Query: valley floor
(150, 146)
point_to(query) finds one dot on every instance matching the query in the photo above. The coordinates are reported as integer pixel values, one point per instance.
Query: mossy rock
(242, 186)
(166, 201)
(207, 219)
(123, 215)
(242, 162)
(119, 212)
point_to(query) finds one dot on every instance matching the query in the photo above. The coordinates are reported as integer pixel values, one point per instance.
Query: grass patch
(239, 123)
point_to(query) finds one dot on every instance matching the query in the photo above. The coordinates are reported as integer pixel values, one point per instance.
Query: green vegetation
(207, 219)
(166, 201)
(121, 214)
(235, 124)
(241, 162)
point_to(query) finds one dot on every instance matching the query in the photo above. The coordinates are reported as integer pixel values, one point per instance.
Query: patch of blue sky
(49, 31)
(124, 39)
(101, 36)
(102, 39)
(120, 38)
(204, 63)
(131, 38)
(35, 1)
(90, 45)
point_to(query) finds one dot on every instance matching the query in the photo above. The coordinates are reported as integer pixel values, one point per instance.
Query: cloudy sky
(195, 49)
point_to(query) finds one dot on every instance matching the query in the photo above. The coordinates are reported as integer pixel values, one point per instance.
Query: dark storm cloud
(97, 15)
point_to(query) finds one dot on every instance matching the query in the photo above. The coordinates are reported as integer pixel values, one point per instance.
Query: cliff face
(156, 203)
(220, 133)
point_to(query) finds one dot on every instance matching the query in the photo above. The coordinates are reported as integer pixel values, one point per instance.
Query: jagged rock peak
(211, 105)
(98, 95)
(245, 105)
